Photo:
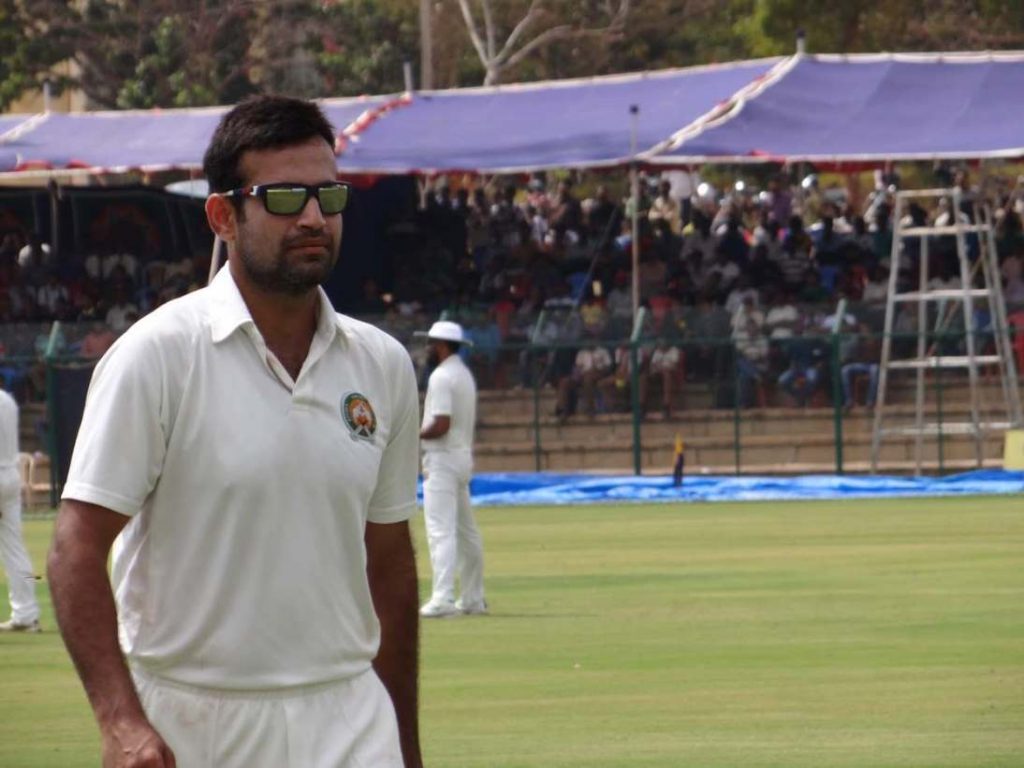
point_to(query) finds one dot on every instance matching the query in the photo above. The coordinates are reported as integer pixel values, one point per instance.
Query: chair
(28, 467)
(25, 471)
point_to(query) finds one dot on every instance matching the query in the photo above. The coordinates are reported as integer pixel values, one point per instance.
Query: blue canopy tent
(867, 108)
(582, 123)
(150, 140)
(556, 124)
(7, 122)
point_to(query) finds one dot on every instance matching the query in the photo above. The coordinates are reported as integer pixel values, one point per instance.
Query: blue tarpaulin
(554, 124)
(869, 107)
(144, 139)
(823, 108)
(547, 488)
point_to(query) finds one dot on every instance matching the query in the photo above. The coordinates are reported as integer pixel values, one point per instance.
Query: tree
(363, 44)
(27, 55)
(867, 25)
(537, 28)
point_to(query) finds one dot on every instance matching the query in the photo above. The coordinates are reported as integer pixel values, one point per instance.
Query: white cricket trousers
(452, 535)
(21, 579)
(341, 724)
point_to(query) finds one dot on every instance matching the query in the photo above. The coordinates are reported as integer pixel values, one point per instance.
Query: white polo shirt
(244, 566)
(8, 431)
(451, 392)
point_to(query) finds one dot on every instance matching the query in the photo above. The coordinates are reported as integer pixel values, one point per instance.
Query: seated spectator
(795, 258)
(762, 269)
(877, 287)
(566, 217)
(592, 363)
(593, 314)
(812, 291)
(615, 387)
(862, 359)
(121, 310)
(120, 259)
(699, 240)
(733, 241)
(783, 320)
(620, 306)
(539, 228)
(806, 356)
(665, 209)
(97, 341)
(668, 368)
(751, 347)
(604, 219)
(50, 297)
(653, 274)
(710, 331)
(725, 269)
(742, 289)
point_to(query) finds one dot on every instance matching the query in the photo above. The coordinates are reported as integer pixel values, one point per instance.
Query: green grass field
(812, 634)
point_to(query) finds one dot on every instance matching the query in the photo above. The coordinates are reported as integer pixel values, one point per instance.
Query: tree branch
(474, 34)
(531, 14)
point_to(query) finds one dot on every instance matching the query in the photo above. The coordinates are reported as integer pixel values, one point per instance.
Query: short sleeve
(122, 440)
(439, 393)
(394, 498)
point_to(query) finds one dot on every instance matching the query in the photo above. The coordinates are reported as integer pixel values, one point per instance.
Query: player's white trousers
(341, 724)
(21, 579)
(454, 540)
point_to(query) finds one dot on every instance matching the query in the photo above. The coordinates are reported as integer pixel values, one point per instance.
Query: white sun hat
(446, 330)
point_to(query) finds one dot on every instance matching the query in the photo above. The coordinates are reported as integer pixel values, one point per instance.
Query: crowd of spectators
(740, 289)
(96, 295)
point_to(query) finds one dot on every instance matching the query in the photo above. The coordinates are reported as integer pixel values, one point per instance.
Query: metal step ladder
(980, 287)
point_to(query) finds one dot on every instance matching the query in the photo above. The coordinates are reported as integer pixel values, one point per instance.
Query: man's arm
(84, 604)
(438, 427)
(391, 572)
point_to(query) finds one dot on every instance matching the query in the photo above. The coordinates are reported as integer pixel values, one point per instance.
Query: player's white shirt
(8, 431)
(243, 566)
(451, 391)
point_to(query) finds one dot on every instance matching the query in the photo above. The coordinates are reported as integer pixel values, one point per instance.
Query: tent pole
(634, 183)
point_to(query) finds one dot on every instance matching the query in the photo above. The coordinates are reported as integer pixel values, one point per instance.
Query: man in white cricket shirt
(21, 580)
(255, 454)
(449, 421)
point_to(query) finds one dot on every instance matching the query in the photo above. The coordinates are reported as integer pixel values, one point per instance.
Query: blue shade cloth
(7, 122)
(548, 489)
(870, 107)
(151, 139)
(557, 124)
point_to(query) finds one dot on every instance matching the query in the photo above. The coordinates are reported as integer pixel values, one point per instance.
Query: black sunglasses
(288, 199)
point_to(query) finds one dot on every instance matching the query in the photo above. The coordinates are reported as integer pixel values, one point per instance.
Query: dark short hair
(260, 122)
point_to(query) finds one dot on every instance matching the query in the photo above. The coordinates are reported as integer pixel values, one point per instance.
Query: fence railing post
(737, 401)
(634, 388)
(837, 389)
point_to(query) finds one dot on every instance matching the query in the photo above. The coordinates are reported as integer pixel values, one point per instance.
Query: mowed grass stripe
(858, 633)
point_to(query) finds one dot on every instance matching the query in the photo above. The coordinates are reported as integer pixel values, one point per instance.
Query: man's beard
(433, 358)
(283, 276)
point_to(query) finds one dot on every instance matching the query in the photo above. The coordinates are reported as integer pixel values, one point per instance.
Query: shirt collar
(228, 312)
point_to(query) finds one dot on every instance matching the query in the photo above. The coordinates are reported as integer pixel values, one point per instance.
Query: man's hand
(135, 744)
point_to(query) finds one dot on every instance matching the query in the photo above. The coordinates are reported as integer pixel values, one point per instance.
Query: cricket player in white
(20, 578)
(449, 421)
(255, 454)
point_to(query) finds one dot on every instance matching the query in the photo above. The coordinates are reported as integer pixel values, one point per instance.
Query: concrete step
(702, 423)
(754, 451)
(701, 396)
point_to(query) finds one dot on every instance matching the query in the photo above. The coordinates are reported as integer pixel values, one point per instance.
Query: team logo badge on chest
(358, 416)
